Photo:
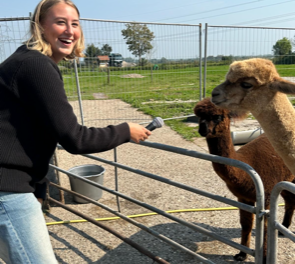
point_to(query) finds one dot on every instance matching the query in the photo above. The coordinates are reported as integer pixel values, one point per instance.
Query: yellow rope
(147, 214)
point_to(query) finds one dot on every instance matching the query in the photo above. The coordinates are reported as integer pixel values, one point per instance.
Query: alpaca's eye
(220, 118)
(246, 85)
(217, 118)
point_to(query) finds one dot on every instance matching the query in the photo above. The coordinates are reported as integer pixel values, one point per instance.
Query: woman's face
(61, 30)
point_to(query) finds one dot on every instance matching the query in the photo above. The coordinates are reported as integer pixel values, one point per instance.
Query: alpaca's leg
(246, 221)
(289, 209)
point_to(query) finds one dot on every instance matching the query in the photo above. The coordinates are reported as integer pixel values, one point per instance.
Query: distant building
(103, 59)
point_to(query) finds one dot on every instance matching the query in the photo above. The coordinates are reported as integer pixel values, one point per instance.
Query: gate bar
(143, 227)
(161, 212)
(243, 206)
(260, 197)
(112, 231)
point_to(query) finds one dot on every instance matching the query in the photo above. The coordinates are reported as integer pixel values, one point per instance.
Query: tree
(91, 54)
(282, 47)
(92, 51)
(106, 49)
(138, 38)
(227, 59)
(163, 60)
(129, 59)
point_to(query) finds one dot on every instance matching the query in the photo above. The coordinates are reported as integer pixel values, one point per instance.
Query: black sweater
(35, 115)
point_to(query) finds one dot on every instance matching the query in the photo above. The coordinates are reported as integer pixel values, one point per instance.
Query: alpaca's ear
(283, 87)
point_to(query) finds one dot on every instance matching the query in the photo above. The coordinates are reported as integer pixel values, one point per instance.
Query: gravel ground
(86, 243)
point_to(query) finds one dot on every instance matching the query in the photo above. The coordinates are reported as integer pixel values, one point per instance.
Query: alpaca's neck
(278, 122)
(223, 146)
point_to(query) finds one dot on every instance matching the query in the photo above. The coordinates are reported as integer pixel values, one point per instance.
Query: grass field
(167, 93)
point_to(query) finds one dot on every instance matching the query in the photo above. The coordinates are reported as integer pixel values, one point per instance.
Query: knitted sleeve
(40, 87)
(40, 190)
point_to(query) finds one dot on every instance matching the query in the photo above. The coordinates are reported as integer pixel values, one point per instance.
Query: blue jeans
(24, 237)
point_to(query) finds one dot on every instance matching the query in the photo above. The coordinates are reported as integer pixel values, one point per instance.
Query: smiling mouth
(66, 41)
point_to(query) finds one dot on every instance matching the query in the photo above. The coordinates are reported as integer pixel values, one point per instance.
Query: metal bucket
(90, 172)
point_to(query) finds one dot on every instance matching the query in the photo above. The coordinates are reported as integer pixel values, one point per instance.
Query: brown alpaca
(214, 124)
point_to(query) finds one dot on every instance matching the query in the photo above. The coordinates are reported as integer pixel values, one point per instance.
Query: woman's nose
(69, 29)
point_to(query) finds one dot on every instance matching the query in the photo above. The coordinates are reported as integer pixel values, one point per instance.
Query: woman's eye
(60, 22)
(246, 85)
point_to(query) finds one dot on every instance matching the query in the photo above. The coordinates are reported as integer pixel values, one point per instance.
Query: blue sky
(169, 41)
(272, 13)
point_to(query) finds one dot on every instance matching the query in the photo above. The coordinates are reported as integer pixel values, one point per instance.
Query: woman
(34, 116)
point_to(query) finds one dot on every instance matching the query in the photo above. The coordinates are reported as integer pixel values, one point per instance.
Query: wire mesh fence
(225, 44)
(13, 31)
(164, 80)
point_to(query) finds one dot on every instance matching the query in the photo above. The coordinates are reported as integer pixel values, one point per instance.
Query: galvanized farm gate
(258, 210)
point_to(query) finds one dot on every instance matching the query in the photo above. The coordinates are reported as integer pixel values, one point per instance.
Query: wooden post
(108, 75)
(152, 73)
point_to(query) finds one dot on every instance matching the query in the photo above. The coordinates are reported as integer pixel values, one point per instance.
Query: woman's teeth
(68, 41)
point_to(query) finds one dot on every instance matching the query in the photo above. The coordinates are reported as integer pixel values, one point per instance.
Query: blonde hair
(37, 42)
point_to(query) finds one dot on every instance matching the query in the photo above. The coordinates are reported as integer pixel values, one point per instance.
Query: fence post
(205, 60)
(152, 73)
(78, 91)
(200, 60)
(108, 75)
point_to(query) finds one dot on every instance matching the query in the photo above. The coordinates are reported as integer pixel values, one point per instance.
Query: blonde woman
(34, 116)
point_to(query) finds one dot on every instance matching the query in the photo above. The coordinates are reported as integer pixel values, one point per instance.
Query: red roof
(103, 58)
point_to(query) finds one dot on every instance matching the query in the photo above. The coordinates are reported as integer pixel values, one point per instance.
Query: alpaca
(214, 124)
(255, 86)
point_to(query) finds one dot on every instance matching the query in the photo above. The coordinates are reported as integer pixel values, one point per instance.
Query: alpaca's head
(250, 84)
(213, 121)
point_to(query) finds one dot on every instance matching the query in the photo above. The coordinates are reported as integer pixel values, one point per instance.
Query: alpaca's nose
(216, 95)
(203, 128)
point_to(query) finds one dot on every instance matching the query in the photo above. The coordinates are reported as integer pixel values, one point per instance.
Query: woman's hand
(138, 132)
